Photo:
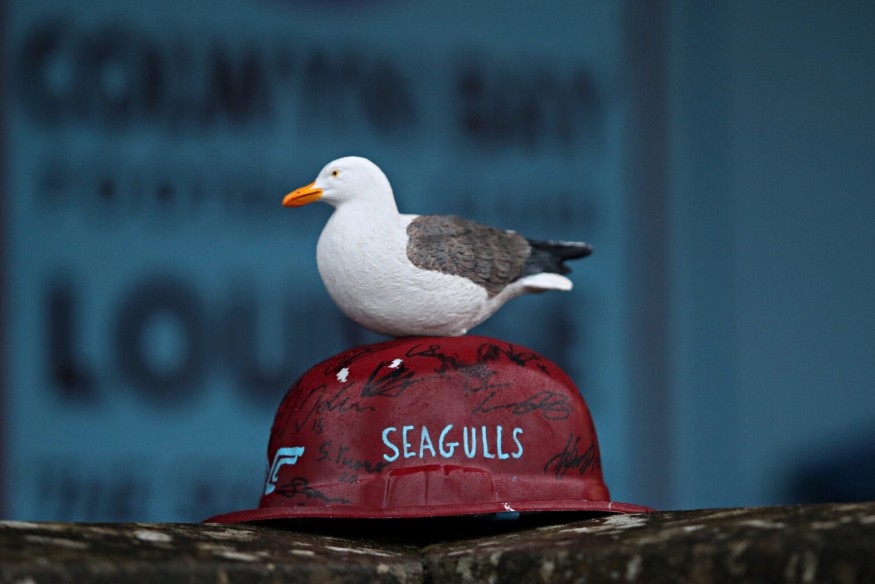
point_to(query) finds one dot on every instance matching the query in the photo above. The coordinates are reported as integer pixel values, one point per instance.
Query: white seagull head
(345, 180)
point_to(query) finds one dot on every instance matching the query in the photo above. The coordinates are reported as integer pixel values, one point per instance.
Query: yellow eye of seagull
(335, 172)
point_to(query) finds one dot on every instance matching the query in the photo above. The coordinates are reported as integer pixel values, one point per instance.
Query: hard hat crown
(420, 427)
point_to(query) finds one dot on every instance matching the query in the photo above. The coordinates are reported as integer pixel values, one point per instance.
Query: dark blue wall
(158, 300)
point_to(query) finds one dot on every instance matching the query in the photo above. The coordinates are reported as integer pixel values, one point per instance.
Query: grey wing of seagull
(489, 257)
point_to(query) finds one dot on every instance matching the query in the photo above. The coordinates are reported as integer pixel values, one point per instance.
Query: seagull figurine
(420, 275)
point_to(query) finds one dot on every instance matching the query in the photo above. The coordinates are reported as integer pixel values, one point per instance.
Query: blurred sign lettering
(161, 300)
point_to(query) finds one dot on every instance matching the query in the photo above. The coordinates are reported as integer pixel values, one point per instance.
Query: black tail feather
(550, 256)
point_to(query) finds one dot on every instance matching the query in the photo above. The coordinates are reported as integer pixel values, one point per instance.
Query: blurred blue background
(158, 301)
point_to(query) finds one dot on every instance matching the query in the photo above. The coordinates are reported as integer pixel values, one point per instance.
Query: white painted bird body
(404, 300)
(366, 259)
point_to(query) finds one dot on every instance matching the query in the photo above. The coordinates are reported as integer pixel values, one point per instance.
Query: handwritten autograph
(326, 449)
(306, 405)
(476, 376)
(552, 405)
(301, 486)
(447, 362)
(334, 365)
(389, 382)
(488, 352)
(572, 459)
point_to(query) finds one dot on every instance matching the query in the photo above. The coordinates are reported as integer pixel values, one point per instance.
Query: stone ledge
(35, 553)
(813, 543)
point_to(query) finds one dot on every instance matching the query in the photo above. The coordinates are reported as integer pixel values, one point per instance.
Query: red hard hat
(422, 427)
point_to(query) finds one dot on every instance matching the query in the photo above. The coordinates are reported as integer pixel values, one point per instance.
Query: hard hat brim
(461, 509)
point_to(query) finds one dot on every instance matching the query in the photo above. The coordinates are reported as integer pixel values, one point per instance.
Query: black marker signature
(358, 464)
(301, 486)
(476, 377)
(315, 401)
(488, 352)
(552, 405)
(572, 459)
(348, 478)
(333, 365)
(284, 411)
(389, 382)
(447, 363)
(340, 456)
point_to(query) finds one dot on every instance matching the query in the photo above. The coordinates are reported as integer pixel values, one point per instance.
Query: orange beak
(302, 196)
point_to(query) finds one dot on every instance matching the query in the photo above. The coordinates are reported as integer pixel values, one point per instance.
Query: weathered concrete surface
(34, 553)
(815, 543)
